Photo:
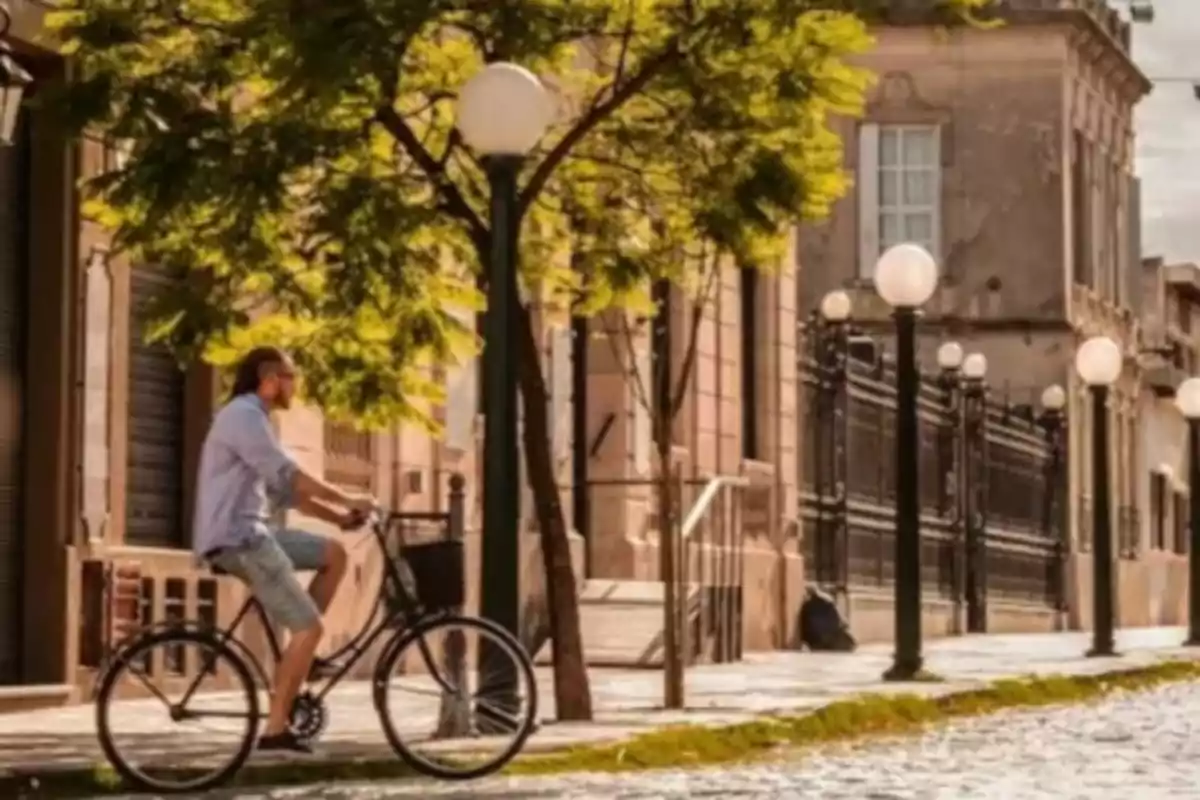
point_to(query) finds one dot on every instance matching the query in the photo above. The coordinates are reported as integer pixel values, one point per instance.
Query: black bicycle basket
(436, 572)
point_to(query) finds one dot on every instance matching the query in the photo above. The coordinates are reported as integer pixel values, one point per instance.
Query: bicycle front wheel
(177, 711)
(457, 697)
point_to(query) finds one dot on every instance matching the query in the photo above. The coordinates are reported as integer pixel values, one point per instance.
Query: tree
(661, 392)
(294, 163)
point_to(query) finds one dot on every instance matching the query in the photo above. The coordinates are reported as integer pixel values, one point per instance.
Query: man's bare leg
(296, 663)
(292, 670)
(325, 585)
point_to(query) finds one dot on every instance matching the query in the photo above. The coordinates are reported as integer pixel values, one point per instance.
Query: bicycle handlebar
(379, 517)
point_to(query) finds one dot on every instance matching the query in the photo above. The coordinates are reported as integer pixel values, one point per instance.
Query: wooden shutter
(866, 183)
(157, 386)
(14, 226)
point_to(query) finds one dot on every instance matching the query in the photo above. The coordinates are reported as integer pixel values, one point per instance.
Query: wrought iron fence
(992, 493)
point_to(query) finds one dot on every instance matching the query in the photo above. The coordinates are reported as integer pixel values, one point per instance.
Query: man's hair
(256, 365)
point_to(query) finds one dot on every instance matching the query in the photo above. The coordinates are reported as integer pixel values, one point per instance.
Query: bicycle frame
(352, 651)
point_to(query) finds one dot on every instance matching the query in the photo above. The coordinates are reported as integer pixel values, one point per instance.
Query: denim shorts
(268, 565)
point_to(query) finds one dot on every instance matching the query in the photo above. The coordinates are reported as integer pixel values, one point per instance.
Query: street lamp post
(951, 457)
(836, 307)
(1098, 363)
(829, 547)
(905, 277)
(1187, 399)
(1054, 400)
(950, 358)
(502, 113)
(975, 367)
(14, 81)
(974, 371)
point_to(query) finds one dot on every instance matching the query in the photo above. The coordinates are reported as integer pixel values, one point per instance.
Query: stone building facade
(1171, 312)
(1008, 152)
(100, 434)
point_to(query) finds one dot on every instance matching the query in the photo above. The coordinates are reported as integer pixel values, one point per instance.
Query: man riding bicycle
(245, 477)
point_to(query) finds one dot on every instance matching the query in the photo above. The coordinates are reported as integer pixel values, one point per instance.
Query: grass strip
(693, 745)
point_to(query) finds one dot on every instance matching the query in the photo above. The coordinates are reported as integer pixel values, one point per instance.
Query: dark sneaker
(283, 742)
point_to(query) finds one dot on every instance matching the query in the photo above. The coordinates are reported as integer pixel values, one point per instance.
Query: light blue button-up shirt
(245, 475)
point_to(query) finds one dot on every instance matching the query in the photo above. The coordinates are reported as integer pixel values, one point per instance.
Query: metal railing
(709, 543)
(993, 505)
(700, 562)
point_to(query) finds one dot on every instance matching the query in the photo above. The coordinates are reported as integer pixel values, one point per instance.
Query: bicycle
(418, 601)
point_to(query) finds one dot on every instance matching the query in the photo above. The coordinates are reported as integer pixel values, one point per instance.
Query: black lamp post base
(905, 671)
(1193, 640)
(1105, 651)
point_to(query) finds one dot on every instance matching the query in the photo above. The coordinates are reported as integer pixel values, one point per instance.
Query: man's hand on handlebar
(363, 504)
(353, 520)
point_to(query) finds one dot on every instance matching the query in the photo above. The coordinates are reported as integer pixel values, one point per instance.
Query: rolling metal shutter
(154, 479)
(14, 257)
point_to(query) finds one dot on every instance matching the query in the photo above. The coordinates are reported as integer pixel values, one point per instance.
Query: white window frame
(870, 201)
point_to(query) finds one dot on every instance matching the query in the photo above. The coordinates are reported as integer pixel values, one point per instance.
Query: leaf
(294, 164)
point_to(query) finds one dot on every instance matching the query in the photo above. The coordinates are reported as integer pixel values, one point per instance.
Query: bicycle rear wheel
(177, 711)
(456, 696)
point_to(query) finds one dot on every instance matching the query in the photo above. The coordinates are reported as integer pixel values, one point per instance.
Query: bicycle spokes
(459, 699)
(174, 712)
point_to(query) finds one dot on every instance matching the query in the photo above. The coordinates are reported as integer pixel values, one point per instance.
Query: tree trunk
(669, 555)
(572, 691)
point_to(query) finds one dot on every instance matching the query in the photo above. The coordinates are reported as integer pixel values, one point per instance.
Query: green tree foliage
(295, 163)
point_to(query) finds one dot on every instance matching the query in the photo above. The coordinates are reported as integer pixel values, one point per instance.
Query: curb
(688, 745)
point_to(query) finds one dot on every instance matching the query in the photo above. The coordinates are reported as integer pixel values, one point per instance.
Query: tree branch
(452, 142)
(626, 39)
(620, 94)
(452, 198)
(640, 392)
(689, 357)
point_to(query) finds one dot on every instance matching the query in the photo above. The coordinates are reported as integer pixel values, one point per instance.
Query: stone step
(622, 624)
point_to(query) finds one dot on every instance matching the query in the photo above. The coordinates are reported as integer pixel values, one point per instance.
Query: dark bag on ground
(822, 626)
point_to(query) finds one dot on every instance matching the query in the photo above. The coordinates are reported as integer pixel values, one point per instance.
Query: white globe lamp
(906, 276)
(504, 110)
(836, 306)
(1187, 398)
(1054, 398)
(975, 366)
(1098, 361)
(950, 356)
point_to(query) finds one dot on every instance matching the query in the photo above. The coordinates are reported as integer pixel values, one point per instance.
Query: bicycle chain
(309, 717)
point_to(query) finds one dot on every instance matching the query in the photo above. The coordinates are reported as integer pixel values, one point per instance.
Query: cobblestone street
(1138, 745)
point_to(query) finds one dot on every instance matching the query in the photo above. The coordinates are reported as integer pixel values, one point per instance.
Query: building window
(1183, 314)
(1158, 511)
(154, 477)
(899, 188)
(349, 456)
(1182, 511)
(749, 302)
(1081, 210)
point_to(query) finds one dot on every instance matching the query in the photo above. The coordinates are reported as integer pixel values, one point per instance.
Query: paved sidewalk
(629, 702)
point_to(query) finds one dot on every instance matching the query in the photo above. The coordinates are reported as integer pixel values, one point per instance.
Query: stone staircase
(623, 624)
